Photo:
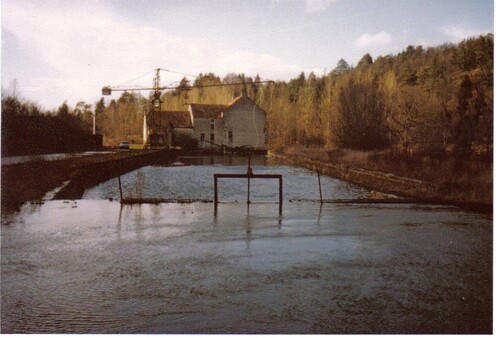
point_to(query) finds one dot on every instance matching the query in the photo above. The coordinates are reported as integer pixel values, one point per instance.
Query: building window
(212, 127)
(202, 137)
(230, 135)
(212, 137)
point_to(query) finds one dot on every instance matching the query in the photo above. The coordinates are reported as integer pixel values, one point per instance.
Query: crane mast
(156, 97)
(157, 90)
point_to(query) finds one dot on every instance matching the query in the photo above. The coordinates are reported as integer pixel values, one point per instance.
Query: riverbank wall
(30, 181)
(408, 188)
(89, 175)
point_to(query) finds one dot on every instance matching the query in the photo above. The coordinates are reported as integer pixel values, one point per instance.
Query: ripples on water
(94, 266)
(193, 178)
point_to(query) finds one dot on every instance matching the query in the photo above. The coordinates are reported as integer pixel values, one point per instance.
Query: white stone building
(239, 124)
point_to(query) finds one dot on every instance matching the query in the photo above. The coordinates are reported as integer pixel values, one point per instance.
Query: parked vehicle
(124, 145)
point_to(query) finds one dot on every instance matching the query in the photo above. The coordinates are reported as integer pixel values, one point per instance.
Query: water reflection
(170, 268)
(248, 228)
(224, 160)
(271, 214)
(319, 214)
(119, 223)
(96, 266)
(195, 181)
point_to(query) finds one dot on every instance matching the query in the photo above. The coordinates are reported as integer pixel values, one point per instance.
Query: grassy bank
(443, 177)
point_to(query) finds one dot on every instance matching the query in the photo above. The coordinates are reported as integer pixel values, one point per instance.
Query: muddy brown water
(94, 266)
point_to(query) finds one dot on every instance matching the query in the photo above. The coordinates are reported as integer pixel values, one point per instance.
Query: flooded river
(94, 266)
(192, 178)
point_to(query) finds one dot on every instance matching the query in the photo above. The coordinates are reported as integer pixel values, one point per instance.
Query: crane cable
(149, 73)
(175, 72)
(141, 76)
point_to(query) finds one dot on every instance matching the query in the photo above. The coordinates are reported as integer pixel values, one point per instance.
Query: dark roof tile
(208, 111)
(174, 118)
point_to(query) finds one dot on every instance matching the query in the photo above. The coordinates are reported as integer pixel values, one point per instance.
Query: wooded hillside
(438, 98)
(422, 99)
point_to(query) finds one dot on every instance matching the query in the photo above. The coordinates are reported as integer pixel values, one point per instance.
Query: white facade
(245, 125)
(240, 124)
(209, 132)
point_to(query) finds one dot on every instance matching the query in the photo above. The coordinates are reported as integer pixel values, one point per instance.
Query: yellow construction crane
(156, 98)
(157, 89)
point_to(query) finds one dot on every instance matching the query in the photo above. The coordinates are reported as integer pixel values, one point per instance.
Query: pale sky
(62, 50)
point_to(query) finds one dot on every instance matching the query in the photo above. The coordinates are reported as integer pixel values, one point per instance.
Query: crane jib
(107, 90)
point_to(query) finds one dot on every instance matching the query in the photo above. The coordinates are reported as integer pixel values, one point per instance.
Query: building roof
(207, 111)
(234, 101)
(173, 118)
(213, 111)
